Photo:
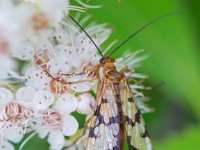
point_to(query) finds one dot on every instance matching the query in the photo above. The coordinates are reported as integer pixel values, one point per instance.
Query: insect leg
(126, 69)
(88, 121)
(69, 83)
(72, 74)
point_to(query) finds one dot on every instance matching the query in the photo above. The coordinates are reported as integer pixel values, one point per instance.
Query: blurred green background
(173, 44)
(174, 60)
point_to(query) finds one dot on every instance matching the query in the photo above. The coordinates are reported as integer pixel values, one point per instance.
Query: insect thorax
(109, 69)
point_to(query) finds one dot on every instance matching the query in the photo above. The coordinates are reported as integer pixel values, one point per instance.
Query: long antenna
(87, 35)
(141, 29)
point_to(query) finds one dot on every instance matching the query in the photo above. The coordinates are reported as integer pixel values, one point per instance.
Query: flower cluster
(41, 50)
(37, 36)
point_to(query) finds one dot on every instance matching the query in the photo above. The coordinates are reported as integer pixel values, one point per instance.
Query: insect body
(116, 116)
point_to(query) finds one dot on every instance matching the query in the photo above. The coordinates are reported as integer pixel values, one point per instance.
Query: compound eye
(102, 60)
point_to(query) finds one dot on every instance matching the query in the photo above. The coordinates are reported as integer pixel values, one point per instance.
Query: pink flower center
(40, 21)
(13, 111)
(53, 119)
(41, 59)
(4, 46)
(58, 87)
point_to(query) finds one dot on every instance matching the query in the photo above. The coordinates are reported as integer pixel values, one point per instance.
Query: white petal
(24, 51)
(42, 133)
(43, 99)
(14, 134)
(80, 87)
(37, 79)
(73, 58)
(6, 65)
(58, 65)
(5, 96)
(25, 94)
(4, 145)
(56, 140)
(66, 103)
(86, 103)
(70, 125)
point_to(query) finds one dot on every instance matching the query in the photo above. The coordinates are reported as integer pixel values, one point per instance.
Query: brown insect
(116, 116)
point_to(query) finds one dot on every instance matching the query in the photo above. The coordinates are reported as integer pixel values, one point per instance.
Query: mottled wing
(136, 132)
(104, 128)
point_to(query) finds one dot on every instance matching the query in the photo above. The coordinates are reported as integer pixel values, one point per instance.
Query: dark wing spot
(130, 147)
(131, 100)
(116, 148)
(137, 116)
(129, 120)
(145, 134)
(104, 100)
(100, 119)
(91, 133)
(96, 112)
(133, 148)
(114, 119)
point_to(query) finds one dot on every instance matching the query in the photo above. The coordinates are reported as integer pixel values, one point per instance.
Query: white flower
(56, 139)
(14, 134)
(25, 95)
(82, 86)
(51, 109)
(57, 126)
(13, 119)
(9, 36)
(5, 145)
(86, 103)
(37, 79)
(38, 18)
(7, 65)
(42, 100)
(24, 51)
(70, 125)
(56, 61)
(59, 63)
(66, 103)
(6, 96)
(36, 99)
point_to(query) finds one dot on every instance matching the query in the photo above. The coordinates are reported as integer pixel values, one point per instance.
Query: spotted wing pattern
(104, 131)
(136, 132)
(104, 128)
